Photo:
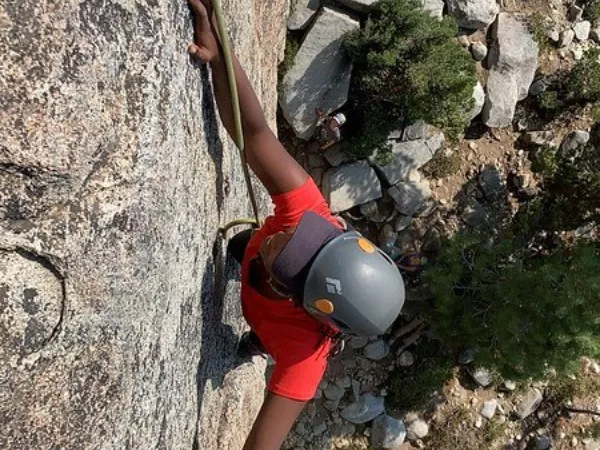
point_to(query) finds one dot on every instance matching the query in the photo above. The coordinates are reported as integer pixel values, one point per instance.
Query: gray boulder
(582, 30)
(335, 155)
(387, 432)
(473, 14)
(476, 215)
(363, 410)
(407, 156)
(514, 60)
(120, 314)
(351, 185)
(489, 408)
(363, 6)
(303, 12)
(478, 101)
(320, 75)
(410, 196)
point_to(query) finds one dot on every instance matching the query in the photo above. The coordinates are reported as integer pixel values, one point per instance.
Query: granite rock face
(119, 314)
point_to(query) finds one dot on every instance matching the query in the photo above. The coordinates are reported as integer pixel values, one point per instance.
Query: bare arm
(273, 423)
(273, 165)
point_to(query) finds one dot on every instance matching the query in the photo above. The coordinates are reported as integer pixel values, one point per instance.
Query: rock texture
(303, 12)
(320, 75)
(473, 14)
(351, 185)
(363, 6)
(514, 60)
(119, 316)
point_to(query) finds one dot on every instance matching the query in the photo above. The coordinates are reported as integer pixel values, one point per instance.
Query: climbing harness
(237, 119)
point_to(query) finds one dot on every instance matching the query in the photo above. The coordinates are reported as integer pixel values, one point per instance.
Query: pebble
(478, 422)
(349, 363)
(489, 409)
(406, 359)
(320, 429)
(334, 392)
(479, 51)
(509, 385)
(343, 382)
(482, 376)
(331, 405)
(464, 40)
(472, 145)
(537, 88)
(532, 400)
(355, 390)
(358, 342)
(577, 52)
(566, 38)
(543, 443)
(376, 350)
(364, 410)
(417, 430)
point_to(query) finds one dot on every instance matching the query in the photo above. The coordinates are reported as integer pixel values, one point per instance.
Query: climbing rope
(237, 118)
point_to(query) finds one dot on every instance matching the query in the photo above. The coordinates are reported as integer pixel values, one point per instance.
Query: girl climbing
(305, 278)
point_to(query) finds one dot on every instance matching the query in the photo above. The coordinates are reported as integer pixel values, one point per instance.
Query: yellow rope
(237, 117)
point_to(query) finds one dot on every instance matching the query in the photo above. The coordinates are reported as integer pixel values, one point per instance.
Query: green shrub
(442, 165)
(592, 10)
(549, 101)
(584, 81)
(524, 316)
(408, 67)
(571, 194)
(539, 29)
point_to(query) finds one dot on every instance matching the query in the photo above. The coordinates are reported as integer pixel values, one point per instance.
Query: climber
(305, 278)
(328, 131)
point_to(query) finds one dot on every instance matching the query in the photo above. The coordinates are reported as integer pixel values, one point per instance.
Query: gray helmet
(340, 277)
(354, 287)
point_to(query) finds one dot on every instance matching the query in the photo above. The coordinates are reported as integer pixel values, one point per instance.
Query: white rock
(577, 52)
(304, 10)
(473, 14)
(482, 376)
(566, 38)
(514, 61)
(320, 75)
(479, 51)
(489, 409)
(406, 359)
(582, 30)
(509, 385)
(364, 410)
(434, 7)
(417, 430)
(387, 432)
(409, 196)
(376, 350)
(531, 402)
(351, 185)
(479, 101)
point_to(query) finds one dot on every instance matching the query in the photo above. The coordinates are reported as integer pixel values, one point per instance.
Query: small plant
(549, 101)
(592, 10)
(584, 81)
(408, 68)
(442, 165)
(539, 29)
(292, 45)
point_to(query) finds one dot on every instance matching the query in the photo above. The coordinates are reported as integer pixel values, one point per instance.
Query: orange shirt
(290, 335)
